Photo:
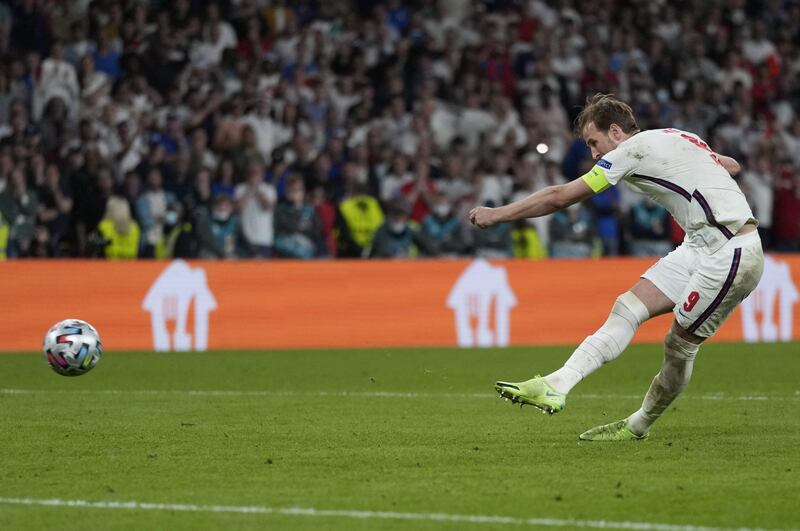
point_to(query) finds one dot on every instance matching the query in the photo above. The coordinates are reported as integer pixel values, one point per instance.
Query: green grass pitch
(394, 439)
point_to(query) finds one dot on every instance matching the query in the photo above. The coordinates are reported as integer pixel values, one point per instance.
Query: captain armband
(596, 179)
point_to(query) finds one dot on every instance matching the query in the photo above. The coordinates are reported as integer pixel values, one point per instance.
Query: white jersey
(679, 171)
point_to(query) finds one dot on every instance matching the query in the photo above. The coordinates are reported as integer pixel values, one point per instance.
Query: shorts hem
(673, 297)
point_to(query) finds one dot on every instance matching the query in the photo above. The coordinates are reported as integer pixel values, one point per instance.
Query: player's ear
(615, 131)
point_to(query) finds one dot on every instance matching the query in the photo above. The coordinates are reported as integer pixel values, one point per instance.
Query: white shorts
(706, 288)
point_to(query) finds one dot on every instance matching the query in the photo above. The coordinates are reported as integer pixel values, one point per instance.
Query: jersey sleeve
(611, 169)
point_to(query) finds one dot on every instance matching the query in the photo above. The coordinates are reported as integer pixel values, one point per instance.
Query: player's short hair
(604, 110)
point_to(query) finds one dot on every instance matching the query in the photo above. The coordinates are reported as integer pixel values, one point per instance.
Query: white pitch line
(366, 515)
(361, 394)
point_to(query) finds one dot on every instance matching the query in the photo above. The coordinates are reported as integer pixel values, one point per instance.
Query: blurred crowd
(304, 129)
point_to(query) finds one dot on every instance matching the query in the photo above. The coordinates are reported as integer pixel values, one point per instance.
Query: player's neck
(623, 137)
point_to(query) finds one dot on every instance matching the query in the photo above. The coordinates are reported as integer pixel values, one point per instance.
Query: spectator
(224, 229)
(326, 212)
(786, 228)
(225, 184)
(650, 229)
(256, 205)
(527, 243)
(494, 242)
(419, 192)
(246, 150)
(396, 238)
(55, 206)
(119, 231)
(79, 45)
(132, 147)
(442, 231)
(572, 233)
(199, 154)
(298, 228)
(106, 58)
(178, 241)
(606, 220)
(95, 84)
(19, 206)
(758, 182)
(151, 208)
(409, 101)
(57, 79)
(455, 182)
(397, 177)
(359, 217)
(131, 189)
(179, 179)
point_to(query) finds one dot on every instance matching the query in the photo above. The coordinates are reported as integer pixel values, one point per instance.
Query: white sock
(675, 374)
(605, 345)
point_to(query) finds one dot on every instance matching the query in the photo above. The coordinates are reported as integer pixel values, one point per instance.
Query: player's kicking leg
(721, 281)
(630, 310)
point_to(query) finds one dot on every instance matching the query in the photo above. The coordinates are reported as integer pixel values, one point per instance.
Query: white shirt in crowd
(57, 79)
(257, 222)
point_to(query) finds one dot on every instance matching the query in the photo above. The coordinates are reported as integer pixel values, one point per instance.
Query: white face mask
(397, 227)
(221, 215)
(442, 210)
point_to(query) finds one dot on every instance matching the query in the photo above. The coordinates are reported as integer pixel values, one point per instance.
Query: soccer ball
(72, 347)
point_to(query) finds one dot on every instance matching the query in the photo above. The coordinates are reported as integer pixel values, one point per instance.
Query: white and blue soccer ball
(72, 347)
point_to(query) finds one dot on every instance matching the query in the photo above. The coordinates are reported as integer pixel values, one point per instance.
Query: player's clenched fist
(483, 217)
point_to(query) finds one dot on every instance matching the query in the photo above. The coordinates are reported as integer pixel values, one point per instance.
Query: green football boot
(535, 392)
(616, 431)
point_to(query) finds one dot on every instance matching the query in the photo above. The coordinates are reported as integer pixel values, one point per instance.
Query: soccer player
(702, 281)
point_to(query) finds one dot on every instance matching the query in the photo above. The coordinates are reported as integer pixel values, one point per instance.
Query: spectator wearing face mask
(224, 224)
(396, 238)
(298, 228)
(174, 228)
(442, 230)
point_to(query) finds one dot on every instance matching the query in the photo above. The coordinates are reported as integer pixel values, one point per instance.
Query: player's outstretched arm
(545, 201)
(730, 164)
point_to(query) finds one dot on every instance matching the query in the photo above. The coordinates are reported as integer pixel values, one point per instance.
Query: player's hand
(483, 217)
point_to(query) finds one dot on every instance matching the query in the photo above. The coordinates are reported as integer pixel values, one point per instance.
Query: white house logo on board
(773, 300)
(170, 298)
(480, 289)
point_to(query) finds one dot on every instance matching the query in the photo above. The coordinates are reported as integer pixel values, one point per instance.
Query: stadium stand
(179, 129)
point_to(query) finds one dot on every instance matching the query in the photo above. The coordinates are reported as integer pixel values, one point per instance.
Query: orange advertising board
(154, 305)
